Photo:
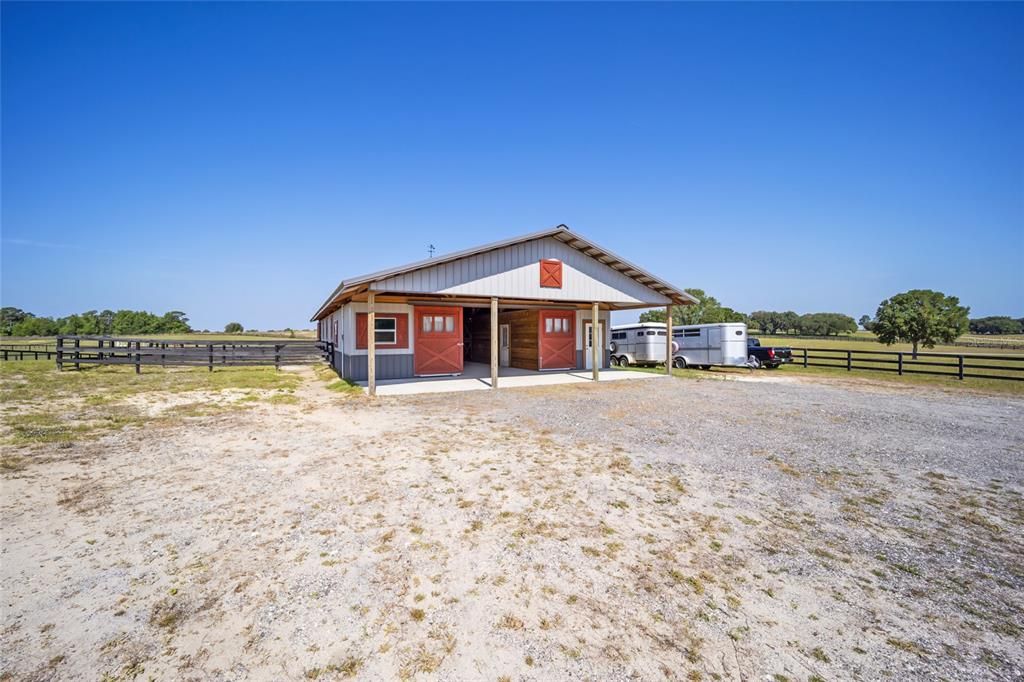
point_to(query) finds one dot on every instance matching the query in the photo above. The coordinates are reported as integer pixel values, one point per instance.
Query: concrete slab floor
(477, 376)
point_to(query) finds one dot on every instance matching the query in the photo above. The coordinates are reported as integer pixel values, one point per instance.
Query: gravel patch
(664, 529)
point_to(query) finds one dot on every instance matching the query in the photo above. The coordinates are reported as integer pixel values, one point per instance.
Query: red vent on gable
(551, 273)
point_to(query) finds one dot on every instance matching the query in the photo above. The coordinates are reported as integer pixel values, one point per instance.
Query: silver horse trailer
(637, 344)
(703, 345)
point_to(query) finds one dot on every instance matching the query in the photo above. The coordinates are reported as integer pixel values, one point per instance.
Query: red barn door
(438, 341)
(557, 338)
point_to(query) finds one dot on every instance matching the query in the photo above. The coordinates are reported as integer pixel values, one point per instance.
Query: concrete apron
(474, 379)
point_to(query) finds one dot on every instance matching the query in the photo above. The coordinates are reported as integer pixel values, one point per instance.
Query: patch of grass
(283, 399)
(904, 645)
(510, 622)
(417, 614)
(818, 654)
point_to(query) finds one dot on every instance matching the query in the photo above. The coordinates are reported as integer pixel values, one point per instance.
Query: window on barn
(385, 330)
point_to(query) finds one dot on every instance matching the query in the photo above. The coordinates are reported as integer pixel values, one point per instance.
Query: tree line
(996, 324)
(709, 311)
(17, 322)
(920, 317)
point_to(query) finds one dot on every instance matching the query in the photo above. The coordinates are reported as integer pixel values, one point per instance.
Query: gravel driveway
(663, 529)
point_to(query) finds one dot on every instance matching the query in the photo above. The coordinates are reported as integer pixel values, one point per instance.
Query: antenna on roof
(430, 250)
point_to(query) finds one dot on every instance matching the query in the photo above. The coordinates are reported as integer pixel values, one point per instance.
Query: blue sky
(235, 161)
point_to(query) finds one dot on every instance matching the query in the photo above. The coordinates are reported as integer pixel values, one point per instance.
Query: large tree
(920, 317)
(10, 317)
(706, 311)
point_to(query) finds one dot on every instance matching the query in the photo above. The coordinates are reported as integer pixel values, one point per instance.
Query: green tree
(174, 322)
(10, 317)
(36, 326)
(865, 321)
(706, 311)
(236, 327)
(920, 317)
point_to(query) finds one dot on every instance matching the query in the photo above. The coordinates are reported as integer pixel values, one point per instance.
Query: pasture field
(844, 343)
(181, 524)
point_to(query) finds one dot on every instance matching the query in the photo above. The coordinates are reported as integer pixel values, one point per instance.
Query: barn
(528, 303)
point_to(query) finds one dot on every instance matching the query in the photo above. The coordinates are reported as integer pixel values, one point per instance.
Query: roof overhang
(355, 286)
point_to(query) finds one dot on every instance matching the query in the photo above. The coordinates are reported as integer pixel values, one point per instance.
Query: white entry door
(504, 345)
(588, 338)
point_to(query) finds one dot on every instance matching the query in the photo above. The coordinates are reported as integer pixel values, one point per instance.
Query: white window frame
(393, 331)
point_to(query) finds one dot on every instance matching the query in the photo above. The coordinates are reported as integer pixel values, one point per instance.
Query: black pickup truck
(764, 356)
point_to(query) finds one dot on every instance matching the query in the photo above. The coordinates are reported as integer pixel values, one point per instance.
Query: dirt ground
(660, 529)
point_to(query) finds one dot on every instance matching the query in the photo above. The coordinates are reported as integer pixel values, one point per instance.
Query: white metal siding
(514, 272)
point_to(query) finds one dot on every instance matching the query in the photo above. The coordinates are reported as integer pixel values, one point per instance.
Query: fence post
(163, 356)
(277, 356)
(78, 352)
(138, 358)
(209, 347)
(960, 367)
(805, 357)
(60, 353)
(849, 360)
(899, 363)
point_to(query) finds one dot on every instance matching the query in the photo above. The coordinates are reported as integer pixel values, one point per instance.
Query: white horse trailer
(703, 345)
(637, 344)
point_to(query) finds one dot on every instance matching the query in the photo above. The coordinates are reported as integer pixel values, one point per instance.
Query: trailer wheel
(623, 361)
(679, 363)
(613, 361)
(753, 362)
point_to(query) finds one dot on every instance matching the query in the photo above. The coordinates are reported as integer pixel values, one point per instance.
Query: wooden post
(60, 353)
(138, 358)
(960, 367)
(277, 356)
(209, 349)
(78, 353)
(371, 344)
(494, 342)
(805, 357)
(595, 343)
(849, 361)
(899, 364)
(668, 340)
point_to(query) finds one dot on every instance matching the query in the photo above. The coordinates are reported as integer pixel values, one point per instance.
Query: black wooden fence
(105, 350)
(28, 351)
(958, 366)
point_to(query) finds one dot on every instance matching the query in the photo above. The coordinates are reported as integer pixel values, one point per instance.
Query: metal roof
(560, 232)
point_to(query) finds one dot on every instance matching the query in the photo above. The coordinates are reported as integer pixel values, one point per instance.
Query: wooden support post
(78, 352)
(494, 342)
(595, 342)
(960, 367)
(277, 356)
(209, 349)
(60, 353)
(805, 357)
(849, 361)
(371, 344)
(668, 340)
(899, 364)
(138, 358)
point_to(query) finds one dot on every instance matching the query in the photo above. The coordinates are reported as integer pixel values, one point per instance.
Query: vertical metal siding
(514, 272)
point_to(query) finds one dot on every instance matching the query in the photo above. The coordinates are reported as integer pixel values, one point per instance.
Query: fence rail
(24, 351)
(979, 343)
(955, 365)
(105, 350)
